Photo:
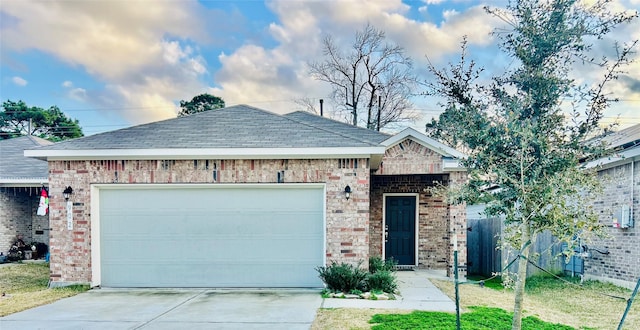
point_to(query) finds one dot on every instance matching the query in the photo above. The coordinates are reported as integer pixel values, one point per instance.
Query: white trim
(416, 228)
(620, 158)
(450, 164)
(207, 153)
(96, 261)
(24, 182)
(423, 140)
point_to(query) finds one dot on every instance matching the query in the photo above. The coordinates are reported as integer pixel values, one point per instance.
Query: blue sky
(113, 64)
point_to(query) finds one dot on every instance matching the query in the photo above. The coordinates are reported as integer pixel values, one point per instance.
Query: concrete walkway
(416, 293)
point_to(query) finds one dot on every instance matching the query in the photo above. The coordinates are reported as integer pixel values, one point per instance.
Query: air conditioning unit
(622, 217)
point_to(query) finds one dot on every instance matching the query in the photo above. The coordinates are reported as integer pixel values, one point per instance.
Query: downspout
(632, 220)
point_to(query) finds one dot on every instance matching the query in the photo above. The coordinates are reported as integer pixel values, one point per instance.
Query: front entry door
(400, 226)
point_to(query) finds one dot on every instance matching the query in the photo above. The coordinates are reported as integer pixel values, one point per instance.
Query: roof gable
(410, 133)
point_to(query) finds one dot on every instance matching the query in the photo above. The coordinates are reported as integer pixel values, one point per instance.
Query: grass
(479, 318)
(548, 303)
(25, 285)
(554, 301)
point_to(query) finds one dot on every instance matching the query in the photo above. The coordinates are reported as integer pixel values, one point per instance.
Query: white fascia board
(450, 164)
(617, 159)
(426, 141)
(210, 153)
(23, 182)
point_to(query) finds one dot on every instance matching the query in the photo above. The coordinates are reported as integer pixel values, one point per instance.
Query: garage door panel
(201, 275)
(212, 237)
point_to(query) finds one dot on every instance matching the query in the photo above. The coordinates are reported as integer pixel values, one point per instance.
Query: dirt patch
(349, 318)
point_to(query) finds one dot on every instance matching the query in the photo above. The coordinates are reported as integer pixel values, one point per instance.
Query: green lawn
(478, 318)
(25, 285)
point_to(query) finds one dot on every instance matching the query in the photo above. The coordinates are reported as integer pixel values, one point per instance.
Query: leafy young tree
(517, 130)
(373, 79)
(52, 124)
(200, 103)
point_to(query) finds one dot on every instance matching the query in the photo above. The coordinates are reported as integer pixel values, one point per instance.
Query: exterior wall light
(347, 192)
(68, 191)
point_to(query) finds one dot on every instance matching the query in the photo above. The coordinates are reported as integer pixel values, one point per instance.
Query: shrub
(343, 277)
(377, 264)
(382, 280)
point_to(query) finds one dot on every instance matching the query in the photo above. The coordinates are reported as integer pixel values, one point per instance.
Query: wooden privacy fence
(484, 256)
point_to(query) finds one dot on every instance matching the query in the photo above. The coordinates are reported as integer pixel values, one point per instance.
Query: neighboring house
(616, 259)
(21, 181)
(241, 197)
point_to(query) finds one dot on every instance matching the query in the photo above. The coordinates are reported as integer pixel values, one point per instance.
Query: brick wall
(437, 219)
(18, 206)
(410, 157)
(347, 221)
(621, 265)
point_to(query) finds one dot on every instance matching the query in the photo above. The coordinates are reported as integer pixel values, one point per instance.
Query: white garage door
(212, 236)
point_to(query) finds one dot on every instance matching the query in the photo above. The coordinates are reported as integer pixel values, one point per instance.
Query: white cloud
(19, 81)
(146, 54)
(133, 48)
(253, 73)
(78, 94)
(448, 14)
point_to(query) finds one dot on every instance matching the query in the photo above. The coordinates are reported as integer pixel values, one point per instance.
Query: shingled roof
(18, 170)
(625, 138)
(339, 127)
(234, 132)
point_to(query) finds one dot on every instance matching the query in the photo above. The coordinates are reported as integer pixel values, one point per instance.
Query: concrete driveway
(172, 309)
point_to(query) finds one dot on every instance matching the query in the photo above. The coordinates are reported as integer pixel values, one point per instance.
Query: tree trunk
(522, 279)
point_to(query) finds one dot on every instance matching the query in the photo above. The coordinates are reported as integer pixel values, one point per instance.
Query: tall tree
(519, 133)
(373, 78)
(200, 103)
(52, 124)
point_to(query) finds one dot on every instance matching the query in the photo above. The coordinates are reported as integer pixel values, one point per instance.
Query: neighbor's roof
(18, 170)
(234, 132)
(626, 138)
(626, 144)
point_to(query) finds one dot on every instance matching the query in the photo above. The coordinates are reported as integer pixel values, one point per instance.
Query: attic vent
(166, 164)
(348, 163)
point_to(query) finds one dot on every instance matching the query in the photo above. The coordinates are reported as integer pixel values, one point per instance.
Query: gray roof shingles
(14, 165)
(238, 126)
(338, 127)
(625, 138)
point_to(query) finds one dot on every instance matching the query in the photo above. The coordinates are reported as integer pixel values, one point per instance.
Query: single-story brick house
(616, 259)
(21, 181)
(242, 197)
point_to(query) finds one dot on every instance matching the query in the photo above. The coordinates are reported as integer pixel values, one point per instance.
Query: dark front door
(400, 218)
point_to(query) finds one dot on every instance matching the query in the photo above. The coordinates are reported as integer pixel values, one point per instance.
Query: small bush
(377, 264)
(343, 277)
(382, 280)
